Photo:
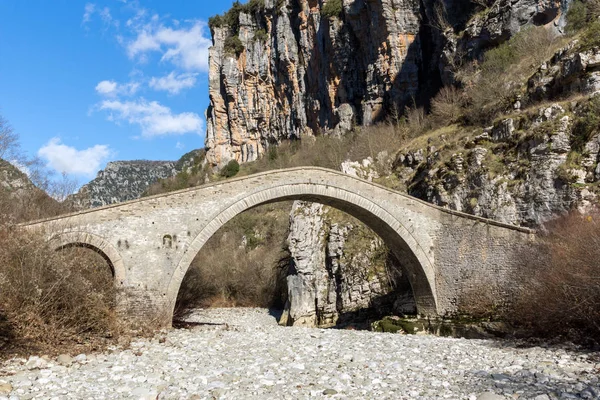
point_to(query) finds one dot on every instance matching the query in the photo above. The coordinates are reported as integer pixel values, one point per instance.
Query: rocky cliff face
(340, 270)
(285, 69)
(121, 181)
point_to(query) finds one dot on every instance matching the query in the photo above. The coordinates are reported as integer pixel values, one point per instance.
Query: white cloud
(87, 13)
(174, 83)
(107, 18)
(112, 88)
(107, 87)
(154, 118)
(180, 146)
(184, 47)
(69, 160)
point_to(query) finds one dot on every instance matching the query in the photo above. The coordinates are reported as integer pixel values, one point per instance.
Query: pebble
(64, 359)
(243, 353)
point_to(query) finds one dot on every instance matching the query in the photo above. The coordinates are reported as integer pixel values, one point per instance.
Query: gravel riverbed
(244, 354)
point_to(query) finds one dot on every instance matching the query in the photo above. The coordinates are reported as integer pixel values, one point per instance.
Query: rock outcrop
(285, 69)
(568, 71)
(340, 270)
(524, 170)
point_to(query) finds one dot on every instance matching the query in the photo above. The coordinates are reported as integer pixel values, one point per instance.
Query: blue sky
(84, 83)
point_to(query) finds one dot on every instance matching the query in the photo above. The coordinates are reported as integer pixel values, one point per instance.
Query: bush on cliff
(233, 45)
(494, 84)
(231, 169)
(332, 8)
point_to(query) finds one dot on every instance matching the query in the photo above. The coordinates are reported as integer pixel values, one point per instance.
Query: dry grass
(331, 151)
(494, 84)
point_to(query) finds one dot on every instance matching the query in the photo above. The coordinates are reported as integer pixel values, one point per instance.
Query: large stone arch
(97, 244)
(410, 250)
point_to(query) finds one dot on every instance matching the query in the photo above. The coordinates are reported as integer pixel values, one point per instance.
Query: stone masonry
(151, 242)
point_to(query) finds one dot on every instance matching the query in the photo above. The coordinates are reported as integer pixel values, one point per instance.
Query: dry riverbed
(243, 354)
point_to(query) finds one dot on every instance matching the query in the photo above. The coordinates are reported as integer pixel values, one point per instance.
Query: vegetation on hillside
(232, 17)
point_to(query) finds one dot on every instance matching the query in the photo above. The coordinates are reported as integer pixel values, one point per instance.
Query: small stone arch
(400, 240)
(97, 244)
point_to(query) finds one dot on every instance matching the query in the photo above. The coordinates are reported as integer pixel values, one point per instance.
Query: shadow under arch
(397, 237)
(97, 244)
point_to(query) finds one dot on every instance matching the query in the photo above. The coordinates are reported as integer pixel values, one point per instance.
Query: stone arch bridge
(450, 257)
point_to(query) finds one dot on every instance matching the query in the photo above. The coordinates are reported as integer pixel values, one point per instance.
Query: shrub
(233, 45)
(590, 38)
(261, 35)
(560, 281)
(49, 297)
(417, 121)
(446, 106)
(332, 8)
(581, 15)
(231, 169)
(576, 17)
(586, 124)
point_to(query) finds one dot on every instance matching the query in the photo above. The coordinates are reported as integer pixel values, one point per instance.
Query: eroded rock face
(339, 270)
(302, 72)
(568, 71)
(121, 181)
(310, 73)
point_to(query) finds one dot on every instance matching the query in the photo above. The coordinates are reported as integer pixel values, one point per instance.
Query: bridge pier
(144, 308)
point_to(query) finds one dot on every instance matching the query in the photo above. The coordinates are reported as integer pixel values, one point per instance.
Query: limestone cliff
(285, 69)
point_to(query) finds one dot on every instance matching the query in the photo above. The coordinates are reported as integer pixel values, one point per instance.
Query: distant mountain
(128, 180)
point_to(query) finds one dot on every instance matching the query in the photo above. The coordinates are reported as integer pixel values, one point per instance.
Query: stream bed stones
(243, 353)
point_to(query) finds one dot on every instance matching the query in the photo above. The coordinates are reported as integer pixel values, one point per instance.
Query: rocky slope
(128, 180)
(121, 181)
(286, 69)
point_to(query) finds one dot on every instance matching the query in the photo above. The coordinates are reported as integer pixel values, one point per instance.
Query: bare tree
(9, 140)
